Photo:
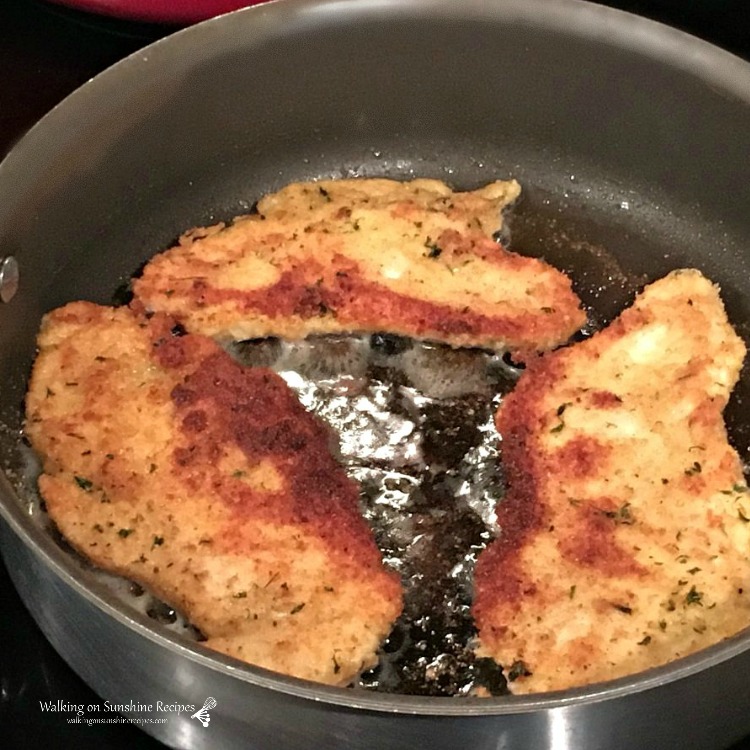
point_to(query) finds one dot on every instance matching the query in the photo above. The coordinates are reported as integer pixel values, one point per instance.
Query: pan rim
(717, 67)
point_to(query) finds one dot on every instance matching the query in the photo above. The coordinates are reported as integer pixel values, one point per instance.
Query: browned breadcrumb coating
(167, 462)
(625, 533)
(414, 259)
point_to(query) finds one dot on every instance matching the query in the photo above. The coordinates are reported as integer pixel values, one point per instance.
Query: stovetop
(45, 53)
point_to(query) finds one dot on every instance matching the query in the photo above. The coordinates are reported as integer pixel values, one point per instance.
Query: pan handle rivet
(8, 278)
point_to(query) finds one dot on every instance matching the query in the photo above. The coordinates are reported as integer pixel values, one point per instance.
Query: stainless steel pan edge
(70, 152)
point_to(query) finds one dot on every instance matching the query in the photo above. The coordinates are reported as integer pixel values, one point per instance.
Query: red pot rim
(158, 11)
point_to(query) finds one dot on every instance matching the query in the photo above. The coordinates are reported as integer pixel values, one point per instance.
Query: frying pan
(631, 142)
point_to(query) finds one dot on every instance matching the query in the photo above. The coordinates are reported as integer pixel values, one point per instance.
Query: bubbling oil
(415, 429)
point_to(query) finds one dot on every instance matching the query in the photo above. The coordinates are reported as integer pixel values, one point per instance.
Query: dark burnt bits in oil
(161, 612)
(451, 428)
(165, 615)
(136, 589)
(256, 352)
(388, 344)
(415, 429)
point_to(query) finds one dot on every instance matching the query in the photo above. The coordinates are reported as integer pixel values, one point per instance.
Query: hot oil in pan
(413, 425)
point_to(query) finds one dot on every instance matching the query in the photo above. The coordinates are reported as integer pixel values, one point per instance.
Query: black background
(45, 53)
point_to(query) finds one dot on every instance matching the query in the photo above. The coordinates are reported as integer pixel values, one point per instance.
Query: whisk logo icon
(202, 714)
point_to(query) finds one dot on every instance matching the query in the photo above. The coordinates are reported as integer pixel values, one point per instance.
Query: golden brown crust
(167, 462)
(624, 538)
(415, 259)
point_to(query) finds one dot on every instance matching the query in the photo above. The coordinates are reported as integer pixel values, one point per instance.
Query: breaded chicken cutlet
(167, 462)
(625, 533)
(365, 255)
